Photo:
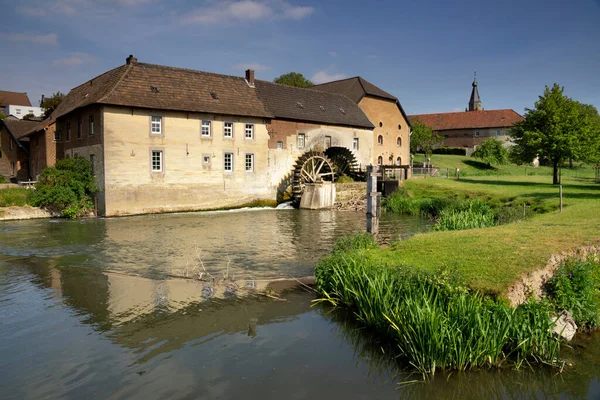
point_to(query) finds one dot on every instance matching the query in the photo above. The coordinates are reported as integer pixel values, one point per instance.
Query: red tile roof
(13, 98)
(468, 119)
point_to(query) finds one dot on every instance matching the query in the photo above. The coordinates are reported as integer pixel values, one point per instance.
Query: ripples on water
(88, 309)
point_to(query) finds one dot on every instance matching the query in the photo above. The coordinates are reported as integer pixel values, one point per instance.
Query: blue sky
(423, 52)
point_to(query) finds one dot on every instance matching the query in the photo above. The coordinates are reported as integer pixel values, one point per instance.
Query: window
(228, 130)
(68, 136)
(12, 143)
(476, 133)
(301, 140)
(279, 145)
(18, 111)
(157, 160)
(380, 140)
(355, 143)
(249, 162)
(249, 131)
(327, 142)
(380, 160)
(498, 133)
(381, 124)
(156, 125)
(399, 161)
(399, 126)
(205, 129)
(466, 135)
(399, 141)
(30, 111)
(56, 136)
(228, 162)
(12, 168)
(92, 161)
(91, 125)
(79, 126)
(206, 159)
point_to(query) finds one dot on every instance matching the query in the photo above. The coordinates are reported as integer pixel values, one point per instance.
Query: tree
(50, 103)
(28, 117)
(293, 79)
(2, 116)
(491, 151)
(557, 129)
(423, 138)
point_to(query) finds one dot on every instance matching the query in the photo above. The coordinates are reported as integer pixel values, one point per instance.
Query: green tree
(28, 117)
(68, 187)
(423, 138)
(557, 129)
(50, 103)
(2, 116)
(293, 79)
(491, 151)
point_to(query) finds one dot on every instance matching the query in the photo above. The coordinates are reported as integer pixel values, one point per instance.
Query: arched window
(399, 161)
(379, 160)
(381, 124)
(399, 141)
(380, 140)
(399, 127)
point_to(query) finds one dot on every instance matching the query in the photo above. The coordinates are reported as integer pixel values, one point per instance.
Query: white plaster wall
(21, 111)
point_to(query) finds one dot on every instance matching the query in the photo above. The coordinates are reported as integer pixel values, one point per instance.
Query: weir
(318, 195)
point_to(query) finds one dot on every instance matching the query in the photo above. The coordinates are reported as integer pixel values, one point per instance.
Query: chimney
(131, 59)
(250, 77)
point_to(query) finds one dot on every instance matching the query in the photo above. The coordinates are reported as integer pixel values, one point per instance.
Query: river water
(97, 309)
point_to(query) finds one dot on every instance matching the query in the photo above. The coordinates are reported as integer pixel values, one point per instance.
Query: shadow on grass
(480, 165)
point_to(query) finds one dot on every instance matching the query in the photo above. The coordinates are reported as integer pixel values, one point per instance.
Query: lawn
(491, 259)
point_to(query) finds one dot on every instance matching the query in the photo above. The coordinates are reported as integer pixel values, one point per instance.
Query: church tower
(475, 101)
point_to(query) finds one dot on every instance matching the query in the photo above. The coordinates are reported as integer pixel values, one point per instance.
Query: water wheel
(311, 167)
(343, 161)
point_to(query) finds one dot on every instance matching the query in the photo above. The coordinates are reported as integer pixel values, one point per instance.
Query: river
(96, 309)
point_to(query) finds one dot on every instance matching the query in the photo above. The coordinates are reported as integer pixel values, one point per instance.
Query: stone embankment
(351, 196)
(17, 213)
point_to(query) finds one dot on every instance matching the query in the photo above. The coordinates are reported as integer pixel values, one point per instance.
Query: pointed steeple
(475, 101)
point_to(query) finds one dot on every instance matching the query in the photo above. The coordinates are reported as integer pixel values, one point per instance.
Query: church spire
(475, 101)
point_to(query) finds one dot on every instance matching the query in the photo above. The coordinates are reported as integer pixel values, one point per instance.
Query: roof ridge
(189, 70)
(339, 80)
(310, 89)
(129, 67)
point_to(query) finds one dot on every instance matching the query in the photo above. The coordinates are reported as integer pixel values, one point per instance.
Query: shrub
(456, 151)
(14, 197)
(3, 179)
(345, 179)
(491, 151)
(574, 287)
(67, 188)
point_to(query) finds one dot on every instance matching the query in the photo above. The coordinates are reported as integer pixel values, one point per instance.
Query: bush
(3, 179)
(14, 197)
(67, 188)
(574, 287)
(345, 179)
(454, 151)
(491, 151)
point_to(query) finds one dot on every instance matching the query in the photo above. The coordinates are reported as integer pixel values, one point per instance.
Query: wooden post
(560, 195)
(373, 202)
(523, 209)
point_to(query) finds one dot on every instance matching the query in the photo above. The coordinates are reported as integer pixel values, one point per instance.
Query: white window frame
(398, 161)
(156, 126)
(208, 125)
(476, 133)
(380, 140)
(206, 159)
(301, 140)
(380, 160)
(249, 162)
(91, 125)
(228, 162)
(280, 145)
(249, 132)
(355, 143)
(227, 130)
(157, 156)
(399, 141)
(18, 111)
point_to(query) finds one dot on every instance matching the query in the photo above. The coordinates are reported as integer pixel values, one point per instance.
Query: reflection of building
(470, 128)
(168, 139)
(392, 127)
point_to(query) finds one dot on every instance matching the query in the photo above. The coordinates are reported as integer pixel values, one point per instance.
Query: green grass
(470, 166)
(14, 197)
(491, 259)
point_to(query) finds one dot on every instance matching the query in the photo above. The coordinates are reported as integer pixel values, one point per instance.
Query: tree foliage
(68, 187)
(293, 79)
(423, 138)
(28, 117)
(2, 116)
(491, 151)
(50, 103)
(557, 129)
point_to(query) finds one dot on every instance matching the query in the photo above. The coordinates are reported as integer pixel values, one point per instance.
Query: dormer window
(214, 96)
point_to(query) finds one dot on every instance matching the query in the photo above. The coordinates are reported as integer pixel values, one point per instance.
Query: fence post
(560, 195)
(373, 202)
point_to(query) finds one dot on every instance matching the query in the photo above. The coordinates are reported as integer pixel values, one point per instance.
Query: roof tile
(468, 119)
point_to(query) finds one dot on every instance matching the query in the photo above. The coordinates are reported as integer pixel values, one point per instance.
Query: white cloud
(49, 39)
(254, 66)
(324, 76)
(73, 60)
(245, 10)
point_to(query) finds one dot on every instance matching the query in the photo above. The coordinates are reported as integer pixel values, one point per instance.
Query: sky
(423, 52)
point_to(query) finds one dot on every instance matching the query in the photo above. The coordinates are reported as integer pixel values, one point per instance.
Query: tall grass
(471, 214)
(14, 197)
(432, 320)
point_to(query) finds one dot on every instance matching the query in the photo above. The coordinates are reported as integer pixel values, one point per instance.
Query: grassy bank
(433, 320)
(15, 197)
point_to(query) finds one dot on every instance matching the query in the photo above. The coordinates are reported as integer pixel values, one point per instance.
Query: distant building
(14, 148)
(471, 127)
(391, 135)
(43, 146)
(18, 105)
